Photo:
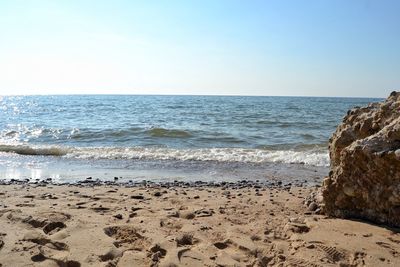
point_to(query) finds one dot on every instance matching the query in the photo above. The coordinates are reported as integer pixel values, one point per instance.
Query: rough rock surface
(364, 181)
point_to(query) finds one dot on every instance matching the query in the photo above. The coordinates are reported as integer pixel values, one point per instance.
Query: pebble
(313, 206)
(137, 197)
(118, 216)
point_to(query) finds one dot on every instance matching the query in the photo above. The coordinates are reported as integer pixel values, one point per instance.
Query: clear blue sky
(320, 48)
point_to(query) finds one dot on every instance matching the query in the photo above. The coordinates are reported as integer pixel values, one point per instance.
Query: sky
(225, 47)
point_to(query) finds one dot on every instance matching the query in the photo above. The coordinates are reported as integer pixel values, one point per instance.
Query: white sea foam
(308, 157)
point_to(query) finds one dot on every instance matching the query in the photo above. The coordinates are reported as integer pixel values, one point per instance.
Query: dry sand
(206, 226)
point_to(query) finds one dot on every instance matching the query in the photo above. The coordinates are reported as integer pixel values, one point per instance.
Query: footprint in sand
(50, 248)
(358, 259)
(393, 251)
(233, 252)
(53, 227)
(69, 263)
(221, 245)
(192, 258)
(49, 222)
(127, 236)
(394, 240)
(333, 254)
(39, 239)
(301, 263)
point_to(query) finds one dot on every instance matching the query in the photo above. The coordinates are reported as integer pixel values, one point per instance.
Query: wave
(162, 132)
(86, 134)
(309, 157)
(103, 134)
(35, 150)
(145, 135)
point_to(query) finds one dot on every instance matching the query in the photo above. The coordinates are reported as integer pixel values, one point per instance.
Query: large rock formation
(364, 181)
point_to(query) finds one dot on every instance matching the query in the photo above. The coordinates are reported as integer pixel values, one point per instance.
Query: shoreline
(91, 182)
(181, 224)
(38, 168)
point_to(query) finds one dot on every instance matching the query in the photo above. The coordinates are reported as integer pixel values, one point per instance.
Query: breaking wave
(35, 150)
(314, 157)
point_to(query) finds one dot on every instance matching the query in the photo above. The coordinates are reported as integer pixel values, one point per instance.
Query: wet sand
(232, 225)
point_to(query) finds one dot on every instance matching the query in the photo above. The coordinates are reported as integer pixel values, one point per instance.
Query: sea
(162, 138)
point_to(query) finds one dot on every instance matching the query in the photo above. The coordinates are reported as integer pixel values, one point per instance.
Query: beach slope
(231, 225)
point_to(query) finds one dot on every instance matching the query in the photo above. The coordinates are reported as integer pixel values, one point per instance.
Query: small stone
(156, 256)
(184, 239)
(313, 206)
(157, 249)
(118, 216)
(137, 197)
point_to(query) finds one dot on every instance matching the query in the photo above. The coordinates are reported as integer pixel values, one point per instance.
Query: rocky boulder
(364, 181)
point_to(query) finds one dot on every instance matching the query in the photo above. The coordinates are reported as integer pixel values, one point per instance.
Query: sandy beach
(199, 133)
(155, 225)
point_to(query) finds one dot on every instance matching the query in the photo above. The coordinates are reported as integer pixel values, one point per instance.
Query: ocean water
(166, 137)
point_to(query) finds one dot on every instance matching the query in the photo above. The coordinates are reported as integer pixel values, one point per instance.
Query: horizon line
(150, 94)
